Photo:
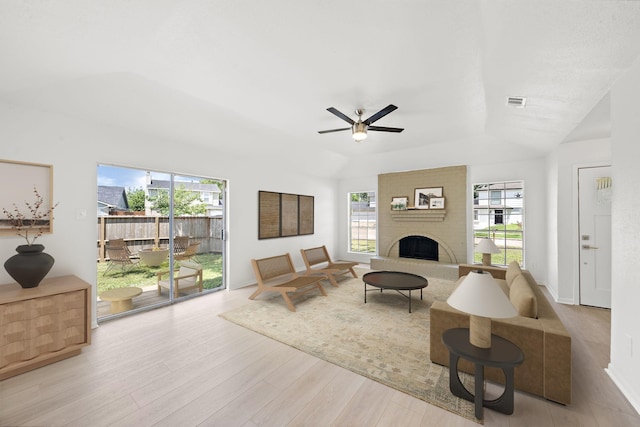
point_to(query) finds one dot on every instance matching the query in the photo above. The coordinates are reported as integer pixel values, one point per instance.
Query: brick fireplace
(446, 229)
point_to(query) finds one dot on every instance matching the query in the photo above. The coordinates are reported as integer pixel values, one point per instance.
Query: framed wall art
(269, 215)
(20, 180)
(399, 203)
(436, 203)
(284, 214)
(306, 214)
(424, 195)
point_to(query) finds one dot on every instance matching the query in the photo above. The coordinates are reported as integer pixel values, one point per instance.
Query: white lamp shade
(480, 295)
(486, 246)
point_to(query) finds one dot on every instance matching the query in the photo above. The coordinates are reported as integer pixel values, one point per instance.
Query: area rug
(379, 340)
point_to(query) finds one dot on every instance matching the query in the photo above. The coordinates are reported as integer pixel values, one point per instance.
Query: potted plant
(30, 265)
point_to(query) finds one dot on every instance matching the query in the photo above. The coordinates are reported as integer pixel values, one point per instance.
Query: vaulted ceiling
(174, 68)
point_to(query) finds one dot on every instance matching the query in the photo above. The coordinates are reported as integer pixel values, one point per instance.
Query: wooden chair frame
(318, 261)
(179, 282)
(119, 255)
(277, 274)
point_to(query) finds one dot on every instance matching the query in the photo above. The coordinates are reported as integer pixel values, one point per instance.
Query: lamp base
(486, 259)
(480, 331)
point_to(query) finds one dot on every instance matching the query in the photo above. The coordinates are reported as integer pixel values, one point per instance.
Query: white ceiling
(175, 68)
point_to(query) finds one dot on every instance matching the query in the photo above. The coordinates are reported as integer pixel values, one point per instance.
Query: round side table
(502, 354)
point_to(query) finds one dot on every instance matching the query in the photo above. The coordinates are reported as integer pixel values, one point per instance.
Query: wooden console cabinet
(43, 325)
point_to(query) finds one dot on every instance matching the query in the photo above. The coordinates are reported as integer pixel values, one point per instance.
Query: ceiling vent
(516, 101)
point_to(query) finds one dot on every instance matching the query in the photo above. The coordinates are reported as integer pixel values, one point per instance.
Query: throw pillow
(522, 297)
(513, 270)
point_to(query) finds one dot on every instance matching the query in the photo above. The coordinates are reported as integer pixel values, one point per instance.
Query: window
(362, 220)
(207, 197)
(498, 213)
(496, 197)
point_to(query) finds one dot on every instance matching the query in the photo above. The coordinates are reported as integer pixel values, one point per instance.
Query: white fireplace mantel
(423, 215)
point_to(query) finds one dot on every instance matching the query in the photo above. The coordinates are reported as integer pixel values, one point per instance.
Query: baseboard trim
(633, 399)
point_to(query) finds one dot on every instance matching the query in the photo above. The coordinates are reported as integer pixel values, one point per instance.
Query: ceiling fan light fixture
(359, 131)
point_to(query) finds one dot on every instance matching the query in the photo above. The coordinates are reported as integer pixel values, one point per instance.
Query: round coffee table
(395, 280)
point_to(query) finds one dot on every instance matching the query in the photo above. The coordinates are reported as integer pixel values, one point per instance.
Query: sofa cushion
(523, 298)
(513, 270)
(503, 285)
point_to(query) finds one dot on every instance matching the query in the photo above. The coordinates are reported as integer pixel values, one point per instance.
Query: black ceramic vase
(29, 266)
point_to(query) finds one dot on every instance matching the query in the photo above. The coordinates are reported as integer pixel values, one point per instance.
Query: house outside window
(203, 193)
(362, 222)
(498, 213)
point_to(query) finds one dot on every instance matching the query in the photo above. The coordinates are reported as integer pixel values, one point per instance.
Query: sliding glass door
(160, 238)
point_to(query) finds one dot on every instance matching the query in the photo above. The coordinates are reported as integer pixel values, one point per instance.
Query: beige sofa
(538, 331)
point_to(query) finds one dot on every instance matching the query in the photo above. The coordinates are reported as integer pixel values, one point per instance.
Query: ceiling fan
(359, 128)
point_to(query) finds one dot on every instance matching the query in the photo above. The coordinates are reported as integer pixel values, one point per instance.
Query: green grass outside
(141, 275)
(364, 246)
(499, 259)
(512, 231)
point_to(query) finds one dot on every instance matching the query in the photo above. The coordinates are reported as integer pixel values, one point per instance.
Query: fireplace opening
(419, 247)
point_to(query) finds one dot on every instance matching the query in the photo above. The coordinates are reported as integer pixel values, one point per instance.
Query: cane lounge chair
(277, 274)
(318, 261)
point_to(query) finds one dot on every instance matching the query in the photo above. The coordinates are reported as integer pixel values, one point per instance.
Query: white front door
(594, 210)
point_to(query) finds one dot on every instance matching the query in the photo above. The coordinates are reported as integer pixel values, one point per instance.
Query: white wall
(624, 367)
(75, 148)
(551, 201)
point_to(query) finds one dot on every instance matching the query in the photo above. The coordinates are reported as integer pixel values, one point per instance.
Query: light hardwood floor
(184, 366)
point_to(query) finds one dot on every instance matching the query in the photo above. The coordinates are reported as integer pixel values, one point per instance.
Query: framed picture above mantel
(423, 196)
(399, 203)
(284, 215)
(436, 203)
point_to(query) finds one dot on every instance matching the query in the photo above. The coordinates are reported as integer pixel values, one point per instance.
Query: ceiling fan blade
(385, 129)
(333, 130)
(341, 115)
(380, 114)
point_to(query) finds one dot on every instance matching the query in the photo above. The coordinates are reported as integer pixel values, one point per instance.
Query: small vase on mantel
(29, 266)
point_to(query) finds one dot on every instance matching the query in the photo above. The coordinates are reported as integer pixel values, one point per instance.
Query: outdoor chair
(188, 276)
(180, 244)
(277, 274)
(318, 261)
(189, 254)
(116, 243)
(119, 256)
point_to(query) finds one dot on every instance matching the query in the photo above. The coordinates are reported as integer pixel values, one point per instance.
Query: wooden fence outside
(143, 232)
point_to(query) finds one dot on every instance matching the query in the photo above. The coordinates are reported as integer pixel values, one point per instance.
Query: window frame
(368, 244)
(503, 221)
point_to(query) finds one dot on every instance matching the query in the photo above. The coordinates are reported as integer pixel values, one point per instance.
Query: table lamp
(481, 297)
(486, 247)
